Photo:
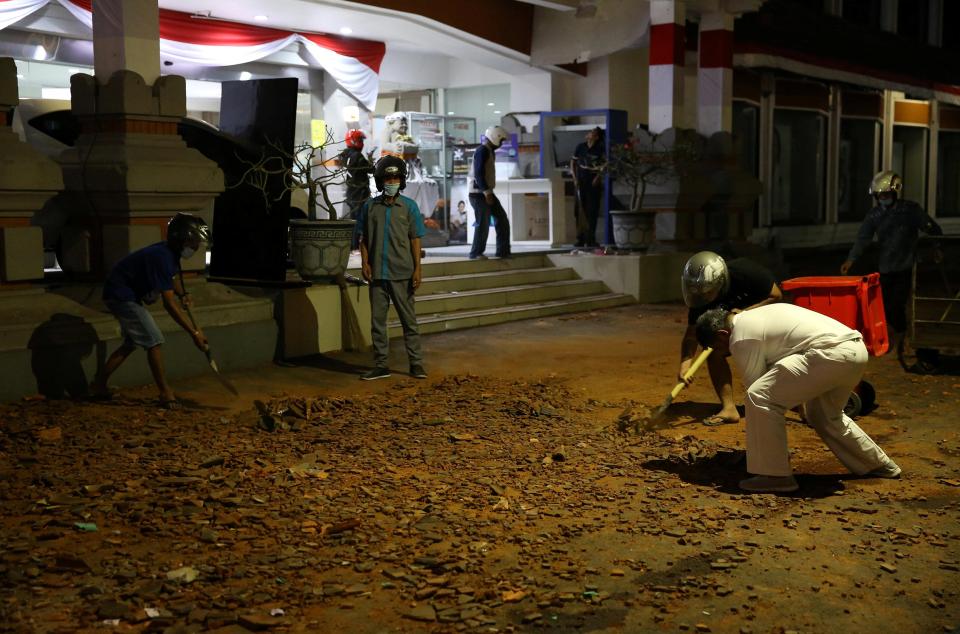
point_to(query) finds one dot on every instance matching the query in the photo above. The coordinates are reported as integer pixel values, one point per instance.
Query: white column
(889, 11)
(715, 74)
(667, 50)
(831, 213)
(886, 152)
(766, 148)
(126, 36)
(933, 165)
(935, 23)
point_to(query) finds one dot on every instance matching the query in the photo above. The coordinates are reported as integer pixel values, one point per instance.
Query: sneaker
(375, 373)
(889, 470)
(770, 484)
(478, 257)
(417, 372)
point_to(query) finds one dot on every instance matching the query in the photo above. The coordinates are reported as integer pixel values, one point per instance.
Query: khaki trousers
(821, 381)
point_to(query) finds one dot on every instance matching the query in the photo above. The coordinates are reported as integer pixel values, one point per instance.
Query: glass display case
(437, 176)
(433, 176)
(426, 182)
(461, 141)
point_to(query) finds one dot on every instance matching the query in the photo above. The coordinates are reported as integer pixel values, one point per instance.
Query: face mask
(187, 253)
(886, 202)
(391, 190)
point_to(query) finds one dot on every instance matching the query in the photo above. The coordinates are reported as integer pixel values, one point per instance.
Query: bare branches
(303, 169)
(653, 161)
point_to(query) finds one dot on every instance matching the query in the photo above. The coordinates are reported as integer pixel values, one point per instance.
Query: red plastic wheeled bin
(856, 302)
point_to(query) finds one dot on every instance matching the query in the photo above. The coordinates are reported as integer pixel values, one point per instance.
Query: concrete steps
(459, 294)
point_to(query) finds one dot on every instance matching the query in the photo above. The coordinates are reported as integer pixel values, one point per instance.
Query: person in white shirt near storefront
(790, 356)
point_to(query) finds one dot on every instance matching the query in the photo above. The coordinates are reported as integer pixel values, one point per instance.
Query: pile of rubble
(469, 503)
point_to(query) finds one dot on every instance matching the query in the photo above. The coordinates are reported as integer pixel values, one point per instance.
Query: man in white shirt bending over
(790, 356)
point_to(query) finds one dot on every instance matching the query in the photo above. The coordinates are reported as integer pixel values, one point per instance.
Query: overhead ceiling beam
(558, 5)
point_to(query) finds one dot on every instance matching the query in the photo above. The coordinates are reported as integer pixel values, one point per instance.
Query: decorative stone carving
(130, 171)
(28, 179)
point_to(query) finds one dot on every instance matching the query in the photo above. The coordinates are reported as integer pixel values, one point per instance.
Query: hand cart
(933, 313)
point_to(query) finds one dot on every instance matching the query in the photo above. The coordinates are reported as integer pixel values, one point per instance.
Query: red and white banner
(15, 10)
(353, 63)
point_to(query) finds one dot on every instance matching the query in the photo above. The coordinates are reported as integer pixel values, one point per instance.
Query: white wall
(531, 92)
(406, 70)
(560, 37)
(580, 93)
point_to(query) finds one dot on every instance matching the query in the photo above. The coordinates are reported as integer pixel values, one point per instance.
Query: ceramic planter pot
(633, 229)
(321, 248)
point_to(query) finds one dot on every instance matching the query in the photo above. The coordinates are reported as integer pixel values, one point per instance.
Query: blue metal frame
(615, 122)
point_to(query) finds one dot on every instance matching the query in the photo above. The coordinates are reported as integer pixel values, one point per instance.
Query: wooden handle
(693, 370)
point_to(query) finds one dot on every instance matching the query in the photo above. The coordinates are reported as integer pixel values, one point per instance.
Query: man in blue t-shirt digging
(140, 278)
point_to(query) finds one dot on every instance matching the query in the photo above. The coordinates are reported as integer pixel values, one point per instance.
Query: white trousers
(821, 381)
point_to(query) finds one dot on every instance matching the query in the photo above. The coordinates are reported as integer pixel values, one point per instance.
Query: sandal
(717, 421)
(172, 404)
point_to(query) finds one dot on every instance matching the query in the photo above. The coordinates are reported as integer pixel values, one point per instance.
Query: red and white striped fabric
(15, 10)
(353, 63)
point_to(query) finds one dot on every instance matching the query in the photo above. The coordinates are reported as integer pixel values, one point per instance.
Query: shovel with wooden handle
(652, 421)
(211, 361)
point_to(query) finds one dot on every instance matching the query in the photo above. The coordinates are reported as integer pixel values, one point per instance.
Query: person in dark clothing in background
(359, 169)
(708, 281)
(483, 178)
(896, 223)
(585, 164)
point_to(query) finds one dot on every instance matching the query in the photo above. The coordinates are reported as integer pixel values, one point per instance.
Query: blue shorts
(136, 324)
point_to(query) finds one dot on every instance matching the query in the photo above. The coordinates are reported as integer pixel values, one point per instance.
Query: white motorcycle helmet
(496, 135)
(705, 278)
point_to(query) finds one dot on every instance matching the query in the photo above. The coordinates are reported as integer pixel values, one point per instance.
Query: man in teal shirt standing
(389, 228)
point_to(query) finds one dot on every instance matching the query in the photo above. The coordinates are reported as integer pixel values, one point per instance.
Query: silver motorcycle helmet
(187, 230)
(705, 278)
(886, 181)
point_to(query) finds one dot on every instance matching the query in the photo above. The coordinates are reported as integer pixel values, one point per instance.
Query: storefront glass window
(859, 141)
(910, 161)
(745, 135)
(862, 12)
(486, 104)
(948, 175)
(799, 159)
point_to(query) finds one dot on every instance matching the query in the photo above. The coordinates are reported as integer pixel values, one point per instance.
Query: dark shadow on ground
(936, 364)
(689, 409)
(58, 347)
(191, 405)
(573, 619)
(725, 469)
(118, 400)
(323, 362)
(691, 412)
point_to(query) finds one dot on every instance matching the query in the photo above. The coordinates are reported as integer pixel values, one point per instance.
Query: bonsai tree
(649, 159)
(302, 170)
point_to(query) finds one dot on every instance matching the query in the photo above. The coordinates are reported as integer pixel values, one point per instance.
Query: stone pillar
(715, 74)
(126, 37)
(129, 171)
(667, 51)
(28, 180)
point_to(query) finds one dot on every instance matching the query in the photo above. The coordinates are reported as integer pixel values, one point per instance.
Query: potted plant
(320, 247)
(649, 161)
